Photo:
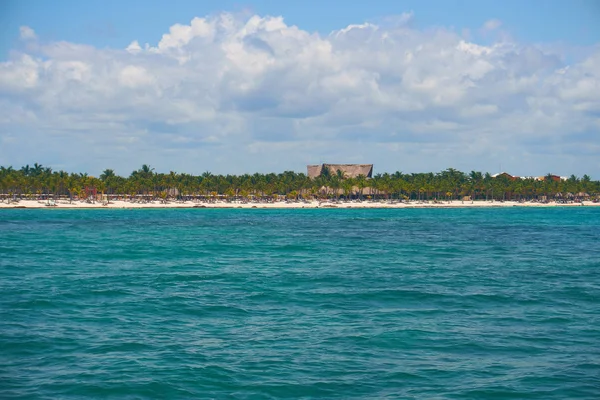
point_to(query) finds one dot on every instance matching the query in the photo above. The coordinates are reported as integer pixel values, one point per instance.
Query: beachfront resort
(323, 185)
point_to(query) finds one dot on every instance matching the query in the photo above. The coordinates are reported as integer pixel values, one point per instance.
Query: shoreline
(119, 204)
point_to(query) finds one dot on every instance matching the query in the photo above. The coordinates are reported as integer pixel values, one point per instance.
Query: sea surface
(268, 304)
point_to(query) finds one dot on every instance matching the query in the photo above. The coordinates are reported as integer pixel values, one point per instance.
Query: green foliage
(147, 183)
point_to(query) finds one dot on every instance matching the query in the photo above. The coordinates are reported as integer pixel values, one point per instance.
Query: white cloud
(134, 47)
(26, 33)
(133, 76)
(19, 74)
(233, 94)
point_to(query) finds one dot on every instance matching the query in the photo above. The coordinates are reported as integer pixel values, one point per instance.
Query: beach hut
(349, 170)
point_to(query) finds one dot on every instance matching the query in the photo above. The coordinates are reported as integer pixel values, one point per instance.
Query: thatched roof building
(349, 170)
(506, 175)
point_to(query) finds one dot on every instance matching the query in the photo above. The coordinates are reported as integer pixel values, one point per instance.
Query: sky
(267, 86)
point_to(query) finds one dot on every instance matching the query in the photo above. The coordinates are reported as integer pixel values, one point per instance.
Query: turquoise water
(424, 304)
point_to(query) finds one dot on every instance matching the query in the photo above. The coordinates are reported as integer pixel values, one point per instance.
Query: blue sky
(230, 87)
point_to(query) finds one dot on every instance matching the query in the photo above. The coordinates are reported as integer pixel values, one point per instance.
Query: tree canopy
(38, 180)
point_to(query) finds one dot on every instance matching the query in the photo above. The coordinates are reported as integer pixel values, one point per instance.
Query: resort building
(505, 175)
(555, 178)
(349, 170)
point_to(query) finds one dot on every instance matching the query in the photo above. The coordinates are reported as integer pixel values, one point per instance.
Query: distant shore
(119, 204)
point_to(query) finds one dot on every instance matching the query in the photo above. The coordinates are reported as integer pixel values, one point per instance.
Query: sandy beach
(119, 204)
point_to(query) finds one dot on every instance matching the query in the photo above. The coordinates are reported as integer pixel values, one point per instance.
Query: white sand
(313, 204)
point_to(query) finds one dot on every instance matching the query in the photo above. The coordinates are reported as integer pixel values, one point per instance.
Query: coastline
(119, 204)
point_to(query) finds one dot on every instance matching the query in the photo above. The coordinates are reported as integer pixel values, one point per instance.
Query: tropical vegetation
(38, 181)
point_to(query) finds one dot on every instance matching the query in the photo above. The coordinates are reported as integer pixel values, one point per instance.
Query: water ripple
(500, 303)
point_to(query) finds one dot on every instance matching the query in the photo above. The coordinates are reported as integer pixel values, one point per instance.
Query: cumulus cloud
(236, 94)
(134, 47)
(26, 33)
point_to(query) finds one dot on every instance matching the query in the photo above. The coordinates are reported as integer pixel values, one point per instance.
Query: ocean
(269, 304)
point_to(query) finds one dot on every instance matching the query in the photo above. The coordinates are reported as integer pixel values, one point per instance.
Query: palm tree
(37, 169)
(488, 185)
(347, 186)
(476, 180)
(361, 182)
(107, 174)
(26, 170)
(450, 183)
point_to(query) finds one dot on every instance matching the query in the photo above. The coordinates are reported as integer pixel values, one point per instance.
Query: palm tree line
(42, 182)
